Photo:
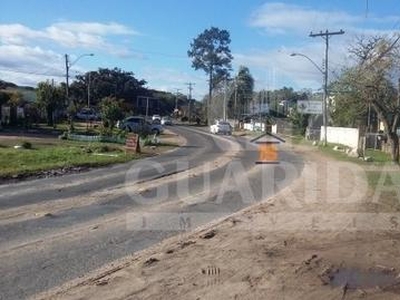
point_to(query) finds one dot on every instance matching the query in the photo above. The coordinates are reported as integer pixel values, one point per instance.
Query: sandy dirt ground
(327, 236)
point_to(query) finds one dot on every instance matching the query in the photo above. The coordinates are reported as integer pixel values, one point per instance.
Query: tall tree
(372, 82)
(107, 83)
(210, 52)
(244, 90)
(349, 107)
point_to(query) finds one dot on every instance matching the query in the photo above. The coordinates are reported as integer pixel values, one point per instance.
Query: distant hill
(28, 93)
(4, 85)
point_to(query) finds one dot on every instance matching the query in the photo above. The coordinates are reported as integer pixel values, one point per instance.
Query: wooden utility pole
(325, 35)
(190, 87)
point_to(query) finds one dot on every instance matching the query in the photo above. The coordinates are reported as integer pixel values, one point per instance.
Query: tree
(244, 82)
(15, 100)
(210, 52)
(111, 112)
(4, 98)
(49, 98)
(107, 83)
(372, 82)
(349, 107)
(299, 121)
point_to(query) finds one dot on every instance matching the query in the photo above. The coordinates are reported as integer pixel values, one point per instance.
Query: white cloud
(30, 55)
(68, 34)
(17, 34)
(95, 28)
(170, 79)
(88, 35)
(32, 59)
(292, 24)
(74, 39)
(274, 68)
(281, 18)
(25, 65)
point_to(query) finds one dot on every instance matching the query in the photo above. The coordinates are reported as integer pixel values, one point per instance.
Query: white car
(156, 117)
(166, 121)
(221, 127)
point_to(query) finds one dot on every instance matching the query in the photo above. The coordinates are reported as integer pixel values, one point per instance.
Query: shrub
(63, 136)
(26, 145)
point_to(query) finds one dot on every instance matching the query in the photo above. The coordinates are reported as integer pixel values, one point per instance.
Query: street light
(325, 95)
(310, 60)
(68, 65)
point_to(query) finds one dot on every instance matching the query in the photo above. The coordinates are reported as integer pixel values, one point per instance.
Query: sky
(150, 38)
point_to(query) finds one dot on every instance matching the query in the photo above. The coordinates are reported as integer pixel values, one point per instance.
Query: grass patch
(299, 140)
(38, 154)
(58, 155)
(339, 155)
(387, 178)
(378, 157)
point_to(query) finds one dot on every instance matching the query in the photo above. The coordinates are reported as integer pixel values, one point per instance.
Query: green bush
(26, 145)
(100, 148)
(63, 136)
(105, 131)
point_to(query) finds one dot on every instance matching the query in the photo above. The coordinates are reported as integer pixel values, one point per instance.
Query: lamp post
(224, 103)
(88, 91)
(325, 93)
(68, 65)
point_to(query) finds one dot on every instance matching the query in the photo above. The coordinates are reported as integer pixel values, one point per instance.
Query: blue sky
(151, 37)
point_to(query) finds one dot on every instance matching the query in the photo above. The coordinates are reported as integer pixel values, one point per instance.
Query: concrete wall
(341, 135)
(259, 127)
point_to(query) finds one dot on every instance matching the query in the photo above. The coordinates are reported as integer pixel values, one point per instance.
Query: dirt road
(327, 236)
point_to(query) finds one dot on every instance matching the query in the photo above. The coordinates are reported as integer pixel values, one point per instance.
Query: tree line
(98, 89)
(370, 83)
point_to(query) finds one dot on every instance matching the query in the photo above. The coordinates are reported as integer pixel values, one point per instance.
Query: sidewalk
(320, 238)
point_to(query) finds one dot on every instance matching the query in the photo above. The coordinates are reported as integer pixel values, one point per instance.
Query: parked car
(166, 121)
(139, 125)
(156, 117)
(156, 128)
(87, 114)
(221, 127)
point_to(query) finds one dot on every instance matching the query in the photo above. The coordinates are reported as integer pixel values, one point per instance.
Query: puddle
(356, 279)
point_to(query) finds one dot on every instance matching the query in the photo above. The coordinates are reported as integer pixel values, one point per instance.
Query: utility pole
(88, 91)
(66, 80)
(235, 112)
(68, 65)
(190, 88)
(224, 103)
(176, 100)
(326, 35)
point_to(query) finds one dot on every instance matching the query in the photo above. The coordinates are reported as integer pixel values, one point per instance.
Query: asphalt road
(57, 229)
